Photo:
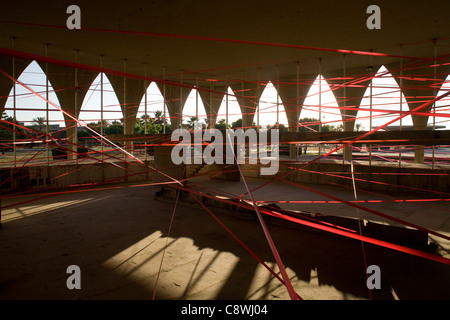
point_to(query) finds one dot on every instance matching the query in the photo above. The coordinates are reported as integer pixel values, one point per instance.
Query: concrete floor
(117, 237)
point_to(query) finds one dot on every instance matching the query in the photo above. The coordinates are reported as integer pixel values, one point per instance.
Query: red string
(351, 235)
(272, 246)
(243, 244)
(365, 209)
(248, 42)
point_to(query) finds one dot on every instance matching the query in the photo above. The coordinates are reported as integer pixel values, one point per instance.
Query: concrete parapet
(43, 177)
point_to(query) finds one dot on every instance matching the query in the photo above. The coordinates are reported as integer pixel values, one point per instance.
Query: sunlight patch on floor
(19, 212)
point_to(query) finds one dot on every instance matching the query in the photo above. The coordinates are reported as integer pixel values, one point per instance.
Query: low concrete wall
(411, 178)
(66, 175)
(377, 177)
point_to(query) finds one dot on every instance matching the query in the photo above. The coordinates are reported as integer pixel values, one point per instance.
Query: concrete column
(163, 163)
(292, 97)
(247, 94)
(62, 80)
(6, 84)
(212, 101)
(349, 93)
(129, 92)
(173, 95)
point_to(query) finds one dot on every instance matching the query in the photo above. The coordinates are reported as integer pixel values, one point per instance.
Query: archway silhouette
(321, 104)
(234, 110)
(31, 110)
(270, 108)
(383, 101)
(194, 107)
(155, 102)
(92, 110)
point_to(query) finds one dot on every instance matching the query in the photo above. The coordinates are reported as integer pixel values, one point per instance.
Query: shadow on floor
(37, 249)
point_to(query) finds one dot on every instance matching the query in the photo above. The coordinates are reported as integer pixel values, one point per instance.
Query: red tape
(351, 235)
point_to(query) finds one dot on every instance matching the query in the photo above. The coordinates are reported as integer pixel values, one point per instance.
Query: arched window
(382, 102)
(31, 109)
(320, 107)
(234, 111)
(151, 111)
(155, 101)
(194, 107)
(271, 109)
(101, 103)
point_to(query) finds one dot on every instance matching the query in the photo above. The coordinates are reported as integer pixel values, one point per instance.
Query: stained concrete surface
(120, 239)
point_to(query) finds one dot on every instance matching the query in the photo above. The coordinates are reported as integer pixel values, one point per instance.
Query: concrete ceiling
(407, 28)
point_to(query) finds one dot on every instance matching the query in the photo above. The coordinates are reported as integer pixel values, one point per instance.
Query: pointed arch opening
(229, 112)
(101, 104)
(101, 112)
(36, 118)
(382, 102)
(150, 115)
(320, 111)
(31, 110)
(271, 110)
(194, 109)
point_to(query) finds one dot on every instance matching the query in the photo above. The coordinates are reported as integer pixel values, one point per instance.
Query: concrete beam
(348, 93)
(129, 92)
(404, 137)
(175, 97)
(212, 99)
(292, 95)
(247, 94)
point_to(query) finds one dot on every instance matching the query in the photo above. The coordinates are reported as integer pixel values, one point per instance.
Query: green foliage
(151, 125)
(162, 122)
(280, 127)
(40, 124)
(6, 134)
(6, 128)
(237, 124)
(221, 125)
(311, 124)
(148, 125)
(190, 123)
(114, 128)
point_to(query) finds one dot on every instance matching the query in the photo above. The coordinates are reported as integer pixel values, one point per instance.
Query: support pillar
(62, 81)
(247, 94)
(173, 95)
(129, 92)
(349, 97)
(292, 95)
(212, 102)
(163, 163)
(6, 83)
